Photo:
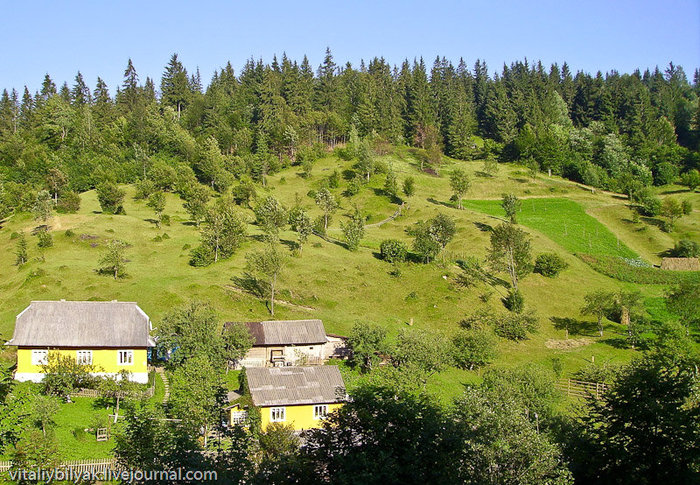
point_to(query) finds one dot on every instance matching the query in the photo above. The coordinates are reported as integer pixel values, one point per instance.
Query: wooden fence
(148, 393)
(584, 389)
(79, 466)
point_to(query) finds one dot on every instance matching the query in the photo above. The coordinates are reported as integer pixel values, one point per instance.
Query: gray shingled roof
(283, 386)
(82, 324)
(288, 332)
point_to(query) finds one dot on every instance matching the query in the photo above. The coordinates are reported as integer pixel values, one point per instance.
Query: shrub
(144, 188)
(473, 348)
(650, 205)
(354, 187)
(68, 203)
(393, 251)
(549, 264)
(111, 198)
(515, 326)
(69, 233)
(334, 180)
(201, 256)
(685, 248)
(45, 239)
(686, 207)
(515, 301)
(409, 186)
(665, 173)
(597, 373)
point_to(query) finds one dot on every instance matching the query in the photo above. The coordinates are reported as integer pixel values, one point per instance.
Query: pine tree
(175, 88)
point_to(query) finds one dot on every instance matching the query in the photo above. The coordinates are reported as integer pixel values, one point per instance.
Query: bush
(515, 326)
(686, 207)
(201, 256)
(515, 301)
(111, 198)
(650, 205)
(45, 239)
(685, 248)
(549, 265)
(144, 189)
(665, 173)
(474, 348)
(393, 251)
(69, 233)
(334, 180)
(68, 203)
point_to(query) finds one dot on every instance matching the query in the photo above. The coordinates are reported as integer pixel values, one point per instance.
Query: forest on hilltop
(616, 131)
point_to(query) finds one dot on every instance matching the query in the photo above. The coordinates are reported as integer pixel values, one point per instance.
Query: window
(277, 415)
(125, 357)
(320, 411)
(84, 357)
(239, 417)
(40, 357)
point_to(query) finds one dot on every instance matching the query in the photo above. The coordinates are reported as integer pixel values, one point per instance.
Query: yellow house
(111, 336)
(297, 396)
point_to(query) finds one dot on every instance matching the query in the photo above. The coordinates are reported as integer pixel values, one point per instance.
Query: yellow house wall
(300, 417)
(104, 360)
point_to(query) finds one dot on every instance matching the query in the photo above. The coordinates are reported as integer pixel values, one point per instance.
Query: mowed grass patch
(564, 222)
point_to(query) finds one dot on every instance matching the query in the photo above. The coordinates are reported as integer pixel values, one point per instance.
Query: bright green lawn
(564, 222)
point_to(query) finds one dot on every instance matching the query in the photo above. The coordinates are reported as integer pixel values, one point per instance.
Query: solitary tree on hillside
(56, 181)
(328, 204)
(271, 216)
(510, 252)
(671, 209)
(21, 250)
(597, 304)
(196, 197)
(300, 222)
(223, 231)
(267, 265)
(365, 162)
(391, 186)
(42, 207)
(111, 198)
(409, 186)
(114, 261)
(354, 230)
(511, 205)
(459, 181)
(156, 201)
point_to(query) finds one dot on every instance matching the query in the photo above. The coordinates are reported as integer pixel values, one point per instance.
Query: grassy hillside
(343, 287)
(564, 222)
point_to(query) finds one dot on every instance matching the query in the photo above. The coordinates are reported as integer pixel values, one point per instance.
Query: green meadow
(564, 222)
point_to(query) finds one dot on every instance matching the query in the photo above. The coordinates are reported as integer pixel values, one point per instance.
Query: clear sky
(97, 37)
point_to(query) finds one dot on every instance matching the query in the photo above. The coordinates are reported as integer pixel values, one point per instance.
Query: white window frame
(84, 357)
(40, 357)
(320, 411)
(128, 361)
(239, 417)
(278, 415)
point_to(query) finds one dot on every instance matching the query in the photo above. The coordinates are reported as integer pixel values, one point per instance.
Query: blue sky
(97, 37)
